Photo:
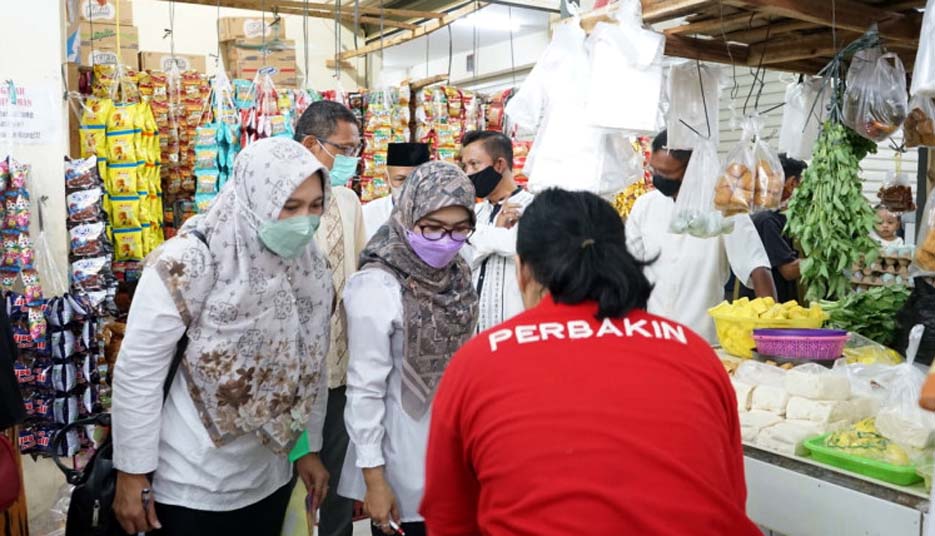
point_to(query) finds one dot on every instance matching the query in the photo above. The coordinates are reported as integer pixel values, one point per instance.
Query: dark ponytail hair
(576, 246)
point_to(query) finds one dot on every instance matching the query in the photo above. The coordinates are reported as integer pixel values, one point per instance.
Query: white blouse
(381, 432)
(171, 439)
(376, 213)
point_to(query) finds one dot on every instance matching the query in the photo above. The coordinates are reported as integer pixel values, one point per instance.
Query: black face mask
(666, 186)
(485, 181)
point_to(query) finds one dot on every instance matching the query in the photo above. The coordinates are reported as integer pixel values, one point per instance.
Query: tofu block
(906, 429)
(744, 395)
(816, 429)
(759, 419)
(826, 386)
(819, 411)
(748, 434)
(771, 399)
(787, 437)
(863, 407)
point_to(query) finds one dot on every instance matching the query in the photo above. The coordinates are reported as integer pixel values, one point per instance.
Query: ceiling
(493, 24)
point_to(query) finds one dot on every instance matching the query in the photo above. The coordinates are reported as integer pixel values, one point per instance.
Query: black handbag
(90, 512)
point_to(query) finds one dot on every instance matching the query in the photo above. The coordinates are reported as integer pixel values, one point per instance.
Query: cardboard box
(162, 61)
(248, 50)
(105, 11)
(97, 43)
(72, 77)
(231, 28)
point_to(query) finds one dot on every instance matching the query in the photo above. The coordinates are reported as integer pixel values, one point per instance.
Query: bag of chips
(125, 211)
(128, 244)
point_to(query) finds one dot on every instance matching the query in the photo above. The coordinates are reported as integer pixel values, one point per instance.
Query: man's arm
(791, 271)
(763, 285)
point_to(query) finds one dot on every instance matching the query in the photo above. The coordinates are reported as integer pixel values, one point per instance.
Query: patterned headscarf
(258, 324)
(439, 305)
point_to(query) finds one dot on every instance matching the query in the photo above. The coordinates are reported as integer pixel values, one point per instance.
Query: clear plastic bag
(896, 193)
(621, 164)
(923, 263)
(923, 72)
(753, 372)
(752, 178)
(901, 420)
(626, 74)
(919, 128)
(804, 112)
(694, 212)
(687, 104)
(876, 100)
(864, 351)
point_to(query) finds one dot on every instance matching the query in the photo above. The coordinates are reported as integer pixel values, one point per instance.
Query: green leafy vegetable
(829, 215)
(871, 313)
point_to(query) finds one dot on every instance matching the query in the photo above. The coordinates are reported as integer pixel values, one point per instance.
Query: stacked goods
(247, 58)
(520, 154)
(780, 409)
(890, 268)
(97, 43)
(495, 113)
(443, 115)
(167, 62)
(386, 121)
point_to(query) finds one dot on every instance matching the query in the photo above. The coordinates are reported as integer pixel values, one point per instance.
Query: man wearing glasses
(487, 158)
(330, 131)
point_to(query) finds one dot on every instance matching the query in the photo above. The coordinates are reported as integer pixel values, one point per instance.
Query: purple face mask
(435, 253)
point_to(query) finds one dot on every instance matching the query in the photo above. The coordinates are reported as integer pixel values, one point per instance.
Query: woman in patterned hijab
(409, 309)
(246, 284)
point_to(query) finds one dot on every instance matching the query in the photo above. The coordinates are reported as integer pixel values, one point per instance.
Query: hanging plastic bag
(621, 165)
(919, 128)
(876, 100)
(694, 212)
(806, 105)
(901, 420)
(752, 178)
(923, 72)
(896, 193)
(690, 97)
(626, 73)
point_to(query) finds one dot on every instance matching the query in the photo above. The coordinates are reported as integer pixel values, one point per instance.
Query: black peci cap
(407, 154)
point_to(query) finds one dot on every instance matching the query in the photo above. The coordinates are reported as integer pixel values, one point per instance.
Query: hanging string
(337, 41)
(735, 88)
(217, 23)
(305, 42)
(381, 33)
(512, 56)
(450, 52)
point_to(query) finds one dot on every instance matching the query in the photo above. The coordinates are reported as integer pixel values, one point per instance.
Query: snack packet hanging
(919, 128)
(88, 240)
(93, 140)
(695, 213)
(81, 174)
(128, 244)
(84, 206)
(752, 178)
(126, 212)
(123, 179)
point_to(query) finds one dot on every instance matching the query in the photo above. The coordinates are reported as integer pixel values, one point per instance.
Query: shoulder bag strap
(183, 342)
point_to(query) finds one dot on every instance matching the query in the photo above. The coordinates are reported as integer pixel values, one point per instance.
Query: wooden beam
(345, 65)
(426, 82)
(791, 49)
(425, 29)
(660, 10)
(297, 7)
(716, 25)
(317, 14)
(757, 35)
(705, 49)
(847, 14)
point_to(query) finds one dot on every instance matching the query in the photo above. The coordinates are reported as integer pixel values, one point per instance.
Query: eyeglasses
(436, 233)
(346, 150)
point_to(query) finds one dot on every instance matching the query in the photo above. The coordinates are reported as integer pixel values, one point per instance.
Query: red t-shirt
(558, 423)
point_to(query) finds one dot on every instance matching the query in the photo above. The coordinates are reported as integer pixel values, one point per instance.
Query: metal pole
(921, 187)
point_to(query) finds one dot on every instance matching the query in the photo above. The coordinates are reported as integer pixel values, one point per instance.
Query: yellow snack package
(96, 112)
(123, 179)
(123, 117)
(126, 212)
(121, 145)
(128, 244)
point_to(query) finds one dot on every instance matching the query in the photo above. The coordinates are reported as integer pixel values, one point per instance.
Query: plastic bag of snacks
(875, 104)
(923, 72)
(687, 104)
(806, 104)
(752, 178)
(919, 128)
(924, 262)
(901, 419)
(694, 208)
(896, 193)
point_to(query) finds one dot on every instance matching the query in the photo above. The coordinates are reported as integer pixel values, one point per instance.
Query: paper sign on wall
(29, 114)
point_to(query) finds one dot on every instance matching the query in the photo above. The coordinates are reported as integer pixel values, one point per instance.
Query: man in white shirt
(689, 273)
(330, 131)
(401, 160)
(487, 158)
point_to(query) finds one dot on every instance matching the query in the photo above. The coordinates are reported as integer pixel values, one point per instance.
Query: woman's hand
(315, 477)
(128, 504)
(380, 503)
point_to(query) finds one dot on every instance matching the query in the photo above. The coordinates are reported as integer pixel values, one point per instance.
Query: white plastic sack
(687, 105)
(756, 373)
(900, 418)
(804, 112)
(626, 75)
(923, 72)
(620, 164)
(694, 212)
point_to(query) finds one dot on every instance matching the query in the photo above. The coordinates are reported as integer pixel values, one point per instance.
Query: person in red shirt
(585, 414)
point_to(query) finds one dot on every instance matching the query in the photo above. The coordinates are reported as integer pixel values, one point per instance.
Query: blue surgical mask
(343, 169)
(288, 238)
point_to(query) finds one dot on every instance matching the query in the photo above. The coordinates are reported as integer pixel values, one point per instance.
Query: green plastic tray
(901, 475)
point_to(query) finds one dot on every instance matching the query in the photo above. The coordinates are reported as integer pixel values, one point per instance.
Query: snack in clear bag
(688, 104)
(876, 100)
(860, 349)
(896, 193)
(919, 128)
(695, 213)
(752, 179)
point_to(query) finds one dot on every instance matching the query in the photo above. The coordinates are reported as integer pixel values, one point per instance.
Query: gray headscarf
(439, 305)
